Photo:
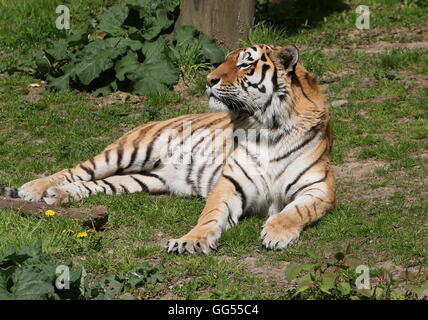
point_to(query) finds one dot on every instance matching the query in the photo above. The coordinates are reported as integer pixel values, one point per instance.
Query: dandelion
(82, 234)
(91, 231)
(67, 231)
(49, 213)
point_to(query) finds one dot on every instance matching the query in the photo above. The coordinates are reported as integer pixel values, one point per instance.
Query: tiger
(262, 149)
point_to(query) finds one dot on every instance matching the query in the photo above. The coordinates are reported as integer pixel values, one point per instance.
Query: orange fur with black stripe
(265, 150)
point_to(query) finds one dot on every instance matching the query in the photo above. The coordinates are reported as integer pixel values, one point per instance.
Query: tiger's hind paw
(33, 190)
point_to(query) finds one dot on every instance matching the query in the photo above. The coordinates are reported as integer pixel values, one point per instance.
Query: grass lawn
(377, 83)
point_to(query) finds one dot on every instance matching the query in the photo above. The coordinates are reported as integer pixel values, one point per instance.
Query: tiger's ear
(289, 56)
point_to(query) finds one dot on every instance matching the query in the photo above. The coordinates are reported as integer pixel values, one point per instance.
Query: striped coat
(265, 150)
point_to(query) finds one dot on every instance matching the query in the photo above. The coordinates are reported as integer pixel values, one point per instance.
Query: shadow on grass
(294, 15)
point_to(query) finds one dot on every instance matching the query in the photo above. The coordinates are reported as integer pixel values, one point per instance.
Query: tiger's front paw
(278, 234)
(33, 190)
(191, 244)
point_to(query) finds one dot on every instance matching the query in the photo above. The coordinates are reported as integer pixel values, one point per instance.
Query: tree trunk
(228, 21)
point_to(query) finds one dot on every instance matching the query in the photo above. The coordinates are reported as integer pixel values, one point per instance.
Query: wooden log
(225, 20)
(91, 217)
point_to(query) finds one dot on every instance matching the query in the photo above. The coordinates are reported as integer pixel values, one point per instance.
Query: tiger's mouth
(222, 103)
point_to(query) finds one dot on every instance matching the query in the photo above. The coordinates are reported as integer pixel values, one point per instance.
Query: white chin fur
(216, 105)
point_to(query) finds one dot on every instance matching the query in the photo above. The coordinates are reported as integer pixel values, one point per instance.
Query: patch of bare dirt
(380, 47)
(355, 171)
(354, 177)
(272, 272)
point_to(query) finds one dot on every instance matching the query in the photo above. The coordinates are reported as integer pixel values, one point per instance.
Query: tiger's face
(250, 78)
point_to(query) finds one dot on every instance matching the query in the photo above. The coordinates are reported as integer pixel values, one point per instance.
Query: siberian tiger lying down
(265, 150)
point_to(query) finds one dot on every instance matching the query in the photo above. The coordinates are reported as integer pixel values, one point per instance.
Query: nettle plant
(127, 49)
(28, 272)
(335, 278)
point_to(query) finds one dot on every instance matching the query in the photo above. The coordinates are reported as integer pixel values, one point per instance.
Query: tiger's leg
(150, 183)
(309, 204)
(222, 210)
(126, 154)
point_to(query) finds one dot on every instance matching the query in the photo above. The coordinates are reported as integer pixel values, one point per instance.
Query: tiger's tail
(9, 192)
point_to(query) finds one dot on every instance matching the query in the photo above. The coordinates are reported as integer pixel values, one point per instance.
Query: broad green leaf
(210, 50)
(154, 25)
(305, 280)
(112, 20)
(127, 64)
(301, 289)
(185, 35)
(57, 51)
(378, 293)
(309, 266)
(326, 285)
(42, 62)
(292, 271)
(80, 36)
(157, 73)
(344, 288)
(59, 83)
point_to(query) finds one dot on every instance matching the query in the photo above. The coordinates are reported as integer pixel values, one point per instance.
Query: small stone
(338, 103)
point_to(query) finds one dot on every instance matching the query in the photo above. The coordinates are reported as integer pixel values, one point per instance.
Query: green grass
(381, 212)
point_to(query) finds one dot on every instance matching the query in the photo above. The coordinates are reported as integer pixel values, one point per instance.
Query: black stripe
(94, 165)
(159, 132)
(208, 222)
(136, 143)
(265, 68)
(133, 156)
(107, 156)
(238, 188)
(113, 189)
(229, 217)
(304, 171)
(210, 186)
(89, 190)
(71, 175)
(119, 157)
(68, 179)
(242, 169)
(200, 175)
(142, 184)
(124, 188)
(157, 164)
(304, 143)
(88, 171)
(154, 175)
(308, 185)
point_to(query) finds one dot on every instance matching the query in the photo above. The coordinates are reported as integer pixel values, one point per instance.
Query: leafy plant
(335, 279)
(126, 49)
(29, 273)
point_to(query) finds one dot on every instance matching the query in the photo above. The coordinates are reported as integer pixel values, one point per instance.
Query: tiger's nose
(212, 80)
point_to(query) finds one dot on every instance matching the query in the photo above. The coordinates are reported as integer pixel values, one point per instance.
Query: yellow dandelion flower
(91, 231)
(49, 213)
(68, 231)
(82, 234)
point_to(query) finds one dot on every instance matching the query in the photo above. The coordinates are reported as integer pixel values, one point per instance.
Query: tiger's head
(260, 79)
